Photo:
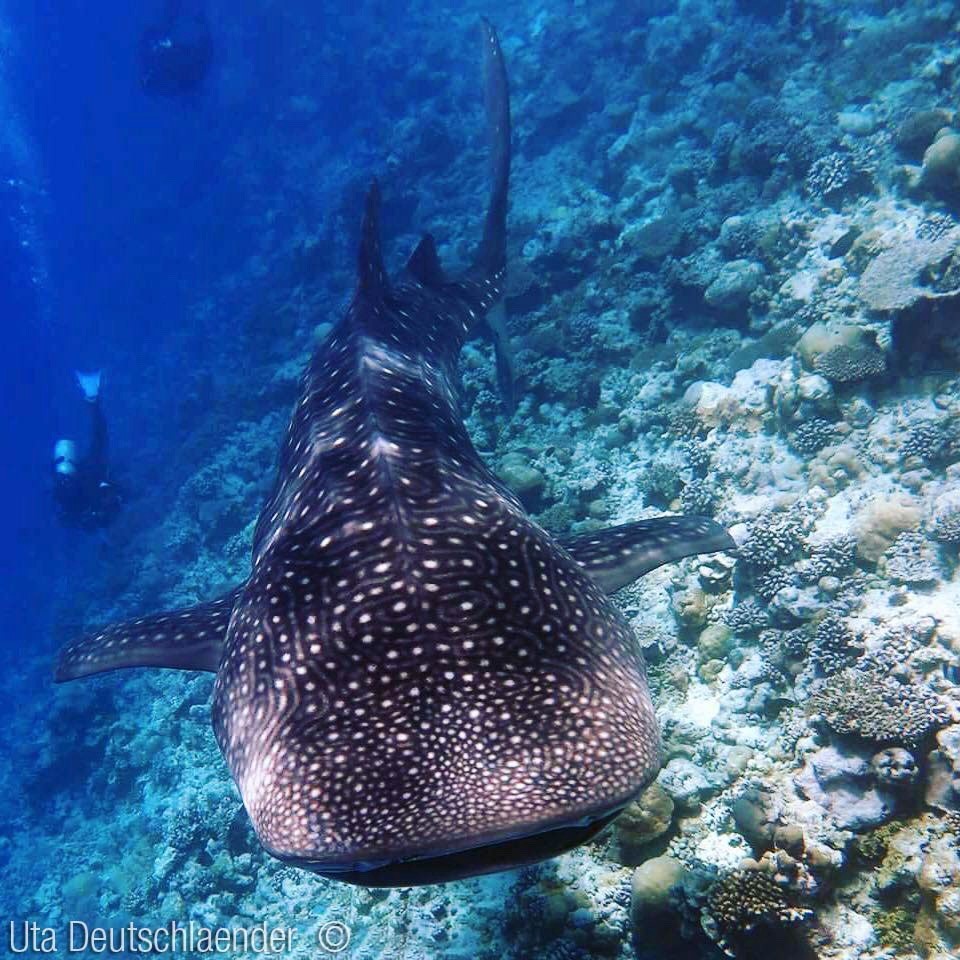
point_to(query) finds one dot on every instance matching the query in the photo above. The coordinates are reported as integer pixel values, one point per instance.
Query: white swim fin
(89, 384)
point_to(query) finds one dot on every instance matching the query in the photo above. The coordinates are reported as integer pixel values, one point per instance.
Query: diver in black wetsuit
(175, 52)
(83, 492)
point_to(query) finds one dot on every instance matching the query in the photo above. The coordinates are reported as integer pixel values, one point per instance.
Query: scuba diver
(175, 52)
(84, 495)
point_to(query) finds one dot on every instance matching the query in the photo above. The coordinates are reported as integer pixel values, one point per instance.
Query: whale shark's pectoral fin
(187, 639)
(619, 555)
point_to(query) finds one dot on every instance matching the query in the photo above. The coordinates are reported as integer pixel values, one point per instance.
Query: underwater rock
(843, 783)
(644, 820)
(858, 123)
(756, 816)
(732, 286)
(835, 468)
(938, 926)
(526, 481)
(714, 642)
(879, 525)
(716, 572)
(654, 240)
(653, 882)
(895, 767)
(919, 129)
(753, 389)
(792, 605)
(712, 403)
(800, 398)
(941, 162)
(892, 280)
(685, 782)
(942, 787)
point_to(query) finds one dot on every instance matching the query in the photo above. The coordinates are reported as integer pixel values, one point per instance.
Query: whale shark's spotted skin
(417, 682)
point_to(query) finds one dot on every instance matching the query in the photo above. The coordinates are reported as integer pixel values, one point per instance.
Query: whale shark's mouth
(474, 861)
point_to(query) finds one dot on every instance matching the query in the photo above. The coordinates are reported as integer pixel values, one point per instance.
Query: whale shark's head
(460, 700)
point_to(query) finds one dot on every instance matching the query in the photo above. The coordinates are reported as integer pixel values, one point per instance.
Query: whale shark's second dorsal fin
(372, 283)
(190, 638)
(424, 264)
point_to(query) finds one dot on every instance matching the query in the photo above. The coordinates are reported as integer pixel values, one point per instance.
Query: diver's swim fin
(89, 383)
(187, 639)
(619, 555)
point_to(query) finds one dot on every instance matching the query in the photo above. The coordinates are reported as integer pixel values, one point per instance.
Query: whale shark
(417, 682)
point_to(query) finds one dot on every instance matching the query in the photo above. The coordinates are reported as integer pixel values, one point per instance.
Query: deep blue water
(114, 216)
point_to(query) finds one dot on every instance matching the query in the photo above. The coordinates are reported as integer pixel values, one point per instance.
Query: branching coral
(946, 526)
(833, 557)
(849, 363)
(745, 902)
(837, 177)
(911, 560)
(834, 645)
(746, 617)
(773, 539)
(812, 435)
(878, 709)
(930, 441)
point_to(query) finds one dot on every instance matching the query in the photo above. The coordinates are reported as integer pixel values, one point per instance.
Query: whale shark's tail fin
(492, 256)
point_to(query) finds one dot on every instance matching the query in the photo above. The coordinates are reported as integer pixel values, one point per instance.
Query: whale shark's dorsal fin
(190, 638)
(424, 264)
(372, 283)
(619, 555)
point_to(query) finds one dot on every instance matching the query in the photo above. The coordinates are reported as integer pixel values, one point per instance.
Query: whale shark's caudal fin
(492, 256)
(187, 639)
(619, 555)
